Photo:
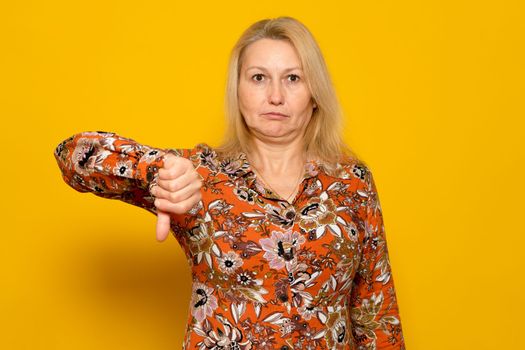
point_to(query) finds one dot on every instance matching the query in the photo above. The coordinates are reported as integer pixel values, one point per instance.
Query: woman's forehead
(271, 53)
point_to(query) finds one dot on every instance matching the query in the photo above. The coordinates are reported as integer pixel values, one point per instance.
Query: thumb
(163, 225)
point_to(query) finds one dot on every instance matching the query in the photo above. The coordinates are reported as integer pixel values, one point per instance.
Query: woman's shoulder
(211, 161)
(347, 167)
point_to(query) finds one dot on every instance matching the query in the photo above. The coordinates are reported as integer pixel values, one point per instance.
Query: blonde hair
(323, 136)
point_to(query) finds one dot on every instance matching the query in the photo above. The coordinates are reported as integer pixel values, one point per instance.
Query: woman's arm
(111, 166)
(374, 309)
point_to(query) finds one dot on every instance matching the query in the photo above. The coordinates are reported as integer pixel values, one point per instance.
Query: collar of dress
(235, 167)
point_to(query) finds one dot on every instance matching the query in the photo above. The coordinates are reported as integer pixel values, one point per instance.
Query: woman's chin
(275, 134)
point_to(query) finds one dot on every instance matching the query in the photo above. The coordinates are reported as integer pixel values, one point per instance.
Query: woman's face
(273, 96)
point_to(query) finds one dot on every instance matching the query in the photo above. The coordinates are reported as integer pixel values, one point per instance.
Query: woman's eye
(294, 77)
(257, 76)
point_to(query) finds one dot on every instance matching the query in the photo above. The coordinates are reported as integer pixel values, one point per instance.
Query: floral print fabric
(267, 274)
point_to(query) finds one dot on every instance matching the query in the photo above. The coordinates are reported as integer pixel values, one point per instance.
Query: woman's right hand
(177, 191)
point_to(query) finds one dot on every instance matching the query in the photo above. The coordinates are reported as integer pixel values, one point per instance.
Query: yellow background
(433, 94)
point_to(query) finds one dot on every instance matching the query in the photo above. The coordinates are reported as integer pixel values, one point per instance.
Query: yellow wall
(433, 92)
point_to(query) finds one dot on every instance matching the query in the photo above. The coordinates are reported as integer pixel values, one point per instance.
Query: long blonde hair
(323, 135)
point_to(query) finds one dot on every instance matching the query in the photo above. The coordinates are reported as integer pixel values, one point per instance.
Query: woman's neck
(280, 167)
(277, 159)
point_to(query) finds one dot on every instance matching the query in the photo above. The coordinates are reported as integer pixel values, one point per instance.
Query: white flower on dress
(150, 155)
(230, 262)
(280, 249)
(203, 302)
(320, 214)
(123, 168)
(307, 311)
(88, 156)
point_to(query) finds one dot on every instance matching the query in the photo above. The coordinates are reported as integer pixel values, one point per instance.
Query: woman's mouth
(275, 115)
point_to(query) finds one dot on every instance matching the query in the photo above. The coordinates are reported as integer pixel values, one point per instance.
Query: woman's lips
(275, 115)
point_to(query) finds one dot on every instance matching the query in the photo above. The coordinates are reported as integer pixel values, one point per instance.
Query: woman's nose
(275, 93)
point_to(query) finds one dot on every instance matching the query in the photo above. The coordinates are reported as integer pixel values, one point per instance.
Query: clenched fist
(177, 191)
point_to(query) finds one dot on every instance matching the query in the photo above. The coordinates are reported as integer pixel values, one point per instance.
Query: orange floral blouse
(267, 274)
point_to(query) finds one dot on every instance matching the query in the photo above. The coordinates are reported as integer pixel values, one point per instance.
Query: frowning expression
(274, 98)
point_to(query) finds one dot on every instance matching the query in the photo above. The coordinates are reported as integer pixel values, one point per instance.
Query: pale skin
(271, 81)
(177, 191)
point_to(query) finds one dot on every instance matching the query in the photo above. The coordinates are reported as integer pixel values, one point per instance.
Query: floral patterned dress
(312, 273)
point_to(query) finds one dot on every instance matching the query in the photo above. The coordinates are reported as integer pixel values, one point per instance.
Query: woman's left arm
(373, 304)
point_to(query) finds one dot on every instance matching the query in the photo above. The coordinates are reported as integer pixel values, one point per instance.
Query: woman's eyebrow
(262, 68)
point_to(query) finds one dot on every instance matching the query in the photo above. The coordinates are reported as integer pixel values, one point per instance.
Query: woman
(281, 224)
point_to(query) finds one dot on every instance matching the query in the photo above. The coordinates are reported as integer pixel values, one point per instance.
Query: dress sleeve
(111, 166)
(374, 310)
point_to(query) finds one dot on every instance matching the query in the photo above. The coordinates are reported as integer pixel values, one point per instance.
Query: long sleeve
(374, 309)
(111, 166)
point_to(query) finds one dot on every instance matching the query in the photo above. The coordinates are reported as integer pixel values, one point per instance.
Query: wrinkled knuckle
(164, 173)
(158, 193)
(174, 197)
(172, 186)
(161, 187)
